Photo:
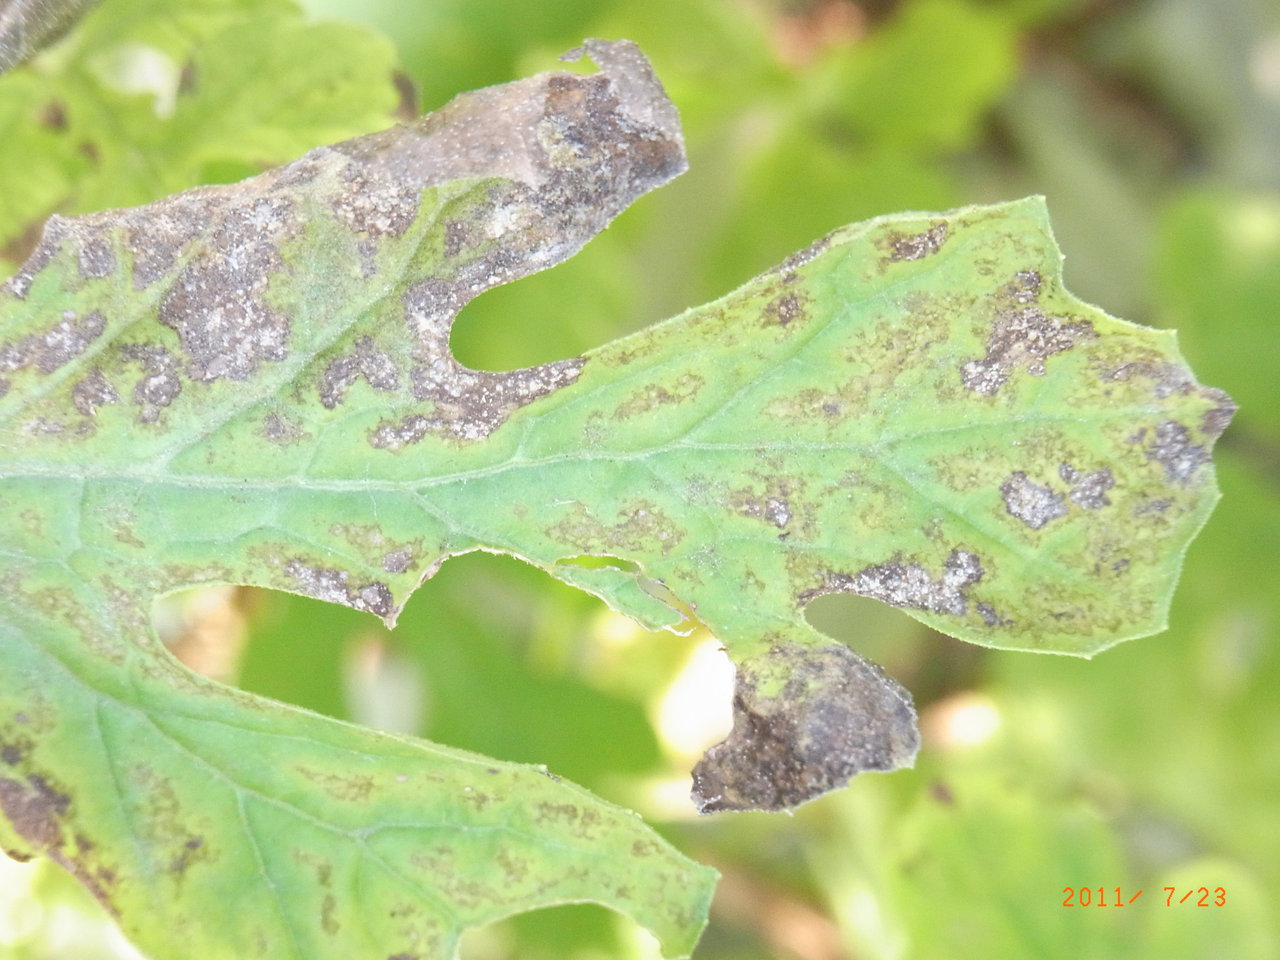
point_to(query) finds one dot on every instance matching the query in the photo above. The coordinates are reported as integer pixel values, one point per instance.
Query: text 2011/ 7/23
(1114, 897)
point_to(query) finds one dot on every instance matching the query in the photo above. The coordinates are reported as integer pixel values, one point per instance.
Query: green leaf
(253, 384)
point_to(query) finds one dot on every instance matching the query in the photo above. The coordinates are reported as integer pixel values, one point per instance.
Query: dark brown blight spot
(916, 246)
(1022, 336)
(836, 716)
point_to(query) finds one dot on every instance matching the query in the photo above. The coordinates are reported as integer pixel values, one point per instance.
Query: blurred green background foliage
(1153, 128)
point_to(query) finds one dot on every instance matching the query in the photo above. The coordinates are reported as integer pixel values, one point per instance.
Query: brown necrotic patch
(1022, 336)
(16, 750)
(915, 246)
(48, 351)
(1170, 445)
(907, 583)
(1088, 490)
(38, 813)
(1216, 420)
(337, 586)
(35, 810)
(653, 396)
(1032, 503)
(280, 430)
(165, 823)
(376, 367)
(782, 310)
(641, 527)
(161, 382)
(218, 305)
(93, 391)
(835, 716)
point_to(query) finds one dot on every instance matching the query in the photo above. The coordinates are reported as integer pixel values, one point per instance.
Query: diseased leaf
(136, 345)
(253, 384)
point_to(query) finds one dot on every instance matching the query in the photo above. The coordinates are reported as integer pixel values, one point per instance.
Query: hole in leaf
(554, 933)
(600, 562)
(592, 298)
(205, 628)
(929, 664)
(490, 655)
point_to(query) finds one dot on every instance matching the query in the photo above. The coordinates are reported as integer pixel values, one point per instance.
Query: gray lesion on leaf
(1170, 445)
(1088, 490)
(465, 404)
(281, 430)
(907, 583)
(35, 810)
(65, 340)
(545, 164)
(398, 561)
(376, 207)
(782, 310)
(393, 435)
(1022, 336)
(218, 304)
(1217, 419)
(1033, 503)
(773, 506)
(161, 380)
(567, 154)
(788, 267)
(835, 716)
(916, 246)
(336, 586)
(97, 258)
(93, 391)
(159, 234)
(376, 367)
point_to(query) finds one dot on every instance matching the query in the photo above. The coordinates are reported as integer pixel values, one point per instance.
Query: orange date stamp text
(1116, 897)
